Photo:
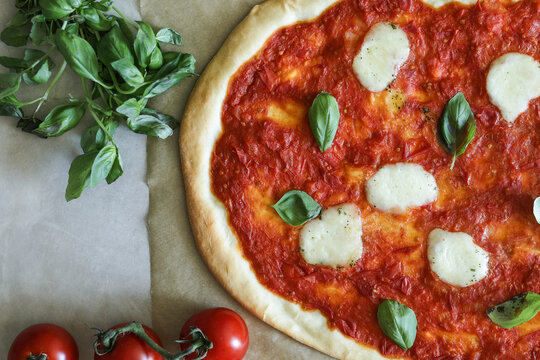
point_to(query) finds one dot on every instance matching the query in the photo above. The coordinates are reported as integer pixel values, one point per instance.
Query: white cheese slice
(536, 209)
(335, 239)
(395, 188)
(439, 3)
(512, 82)
(385, 49)
(456, 259)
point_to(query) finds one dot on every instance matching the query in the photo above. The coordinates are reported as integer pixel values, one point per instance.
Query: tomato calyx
(41, 356)
(199, 343)
(106, 340)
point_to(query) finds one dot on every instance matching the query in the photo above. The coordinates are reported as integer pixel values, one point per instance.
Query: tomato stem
(199, 342)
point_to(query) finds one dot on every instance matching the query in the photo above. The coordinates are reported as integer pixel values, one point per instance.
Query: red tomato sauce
(489, 194)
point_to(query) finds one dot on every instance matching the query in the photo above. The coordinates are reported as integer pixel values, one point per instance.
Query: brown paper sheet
(181, 283)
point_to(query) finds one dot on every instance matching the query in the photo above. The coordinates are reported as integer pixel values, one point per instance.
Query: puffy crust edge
(219, 247)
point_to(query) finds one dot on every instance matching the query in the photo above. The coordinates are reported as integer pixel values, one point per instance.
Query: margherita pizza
(361, 174)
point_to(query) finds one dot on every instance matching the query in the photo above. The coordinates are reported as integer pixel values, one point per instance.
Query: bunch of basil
(121, 65)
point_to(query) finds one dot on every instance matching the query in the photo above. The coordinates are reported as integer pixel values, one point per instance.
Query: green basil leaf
(56, 9)
(456, 127)
(145, 43)
(165, 83)
(14, 36)
(40, 67)
(102, 165)
(61, 119)
(156, 59)
(10, 110)
(131, 108)
(150, 125)
(186, 63)
(38, 75)
(124, 27)
(94, 138)
(39, 33)
(516, 311)
(129, 72)
(38, 19)
(20, 19)
(174, 61)
(169, 36)
(75, 3)
(296, 208)
(324, 119)
(79, 175)
(33, 57)
(398, 322)
(166, 119)
(9, 84)
(102, 5)
(95, 20)
(90, 14)
(114, 46)
(80, 56)
(13, 63)
(117, 169)
(72, 28)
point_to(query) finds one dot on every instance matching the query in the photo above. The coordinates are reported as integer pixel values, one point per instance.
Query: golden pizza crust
(218, 246)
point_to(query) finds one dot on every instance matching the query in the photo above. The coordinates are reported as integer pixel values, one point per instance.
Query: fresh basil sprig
(121, 64)
(456, 127)
(516, 311)
(324, 119)
(296, 208)
(398, 322)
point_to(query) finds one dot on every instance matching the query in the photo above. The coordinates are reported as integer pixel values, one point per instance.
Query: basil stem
(398, 322)
(456, 127)
(296, 208)
(516, 311)
(324, 119)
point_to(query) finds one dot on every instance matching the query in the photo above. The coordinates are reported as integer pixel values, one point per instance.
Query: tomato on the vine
(224, 328)
(130, 347)
(44, 339)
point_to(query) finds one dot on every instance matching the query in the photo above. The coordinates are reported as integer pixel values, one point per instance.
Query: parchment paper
(181, 283)
(78, 264)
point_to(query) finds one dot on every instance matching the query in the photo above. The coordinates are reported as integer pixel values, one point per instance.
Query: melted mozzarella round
(334, 239)
(439, 3)
(385, 49)
(395, 188)
(512, 82)
(456, 259)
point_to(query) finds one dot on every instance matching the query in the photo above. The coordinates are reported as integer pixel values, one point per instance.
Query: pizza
(360, 174)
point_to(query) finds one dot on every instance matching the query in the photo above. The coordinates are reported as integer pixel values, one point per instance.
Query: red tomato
(225, 328)
(48, 339)
(131, 347)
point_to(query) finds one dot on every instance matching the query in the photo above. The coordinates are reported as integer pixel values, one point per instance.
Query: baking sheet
(181, 283)
(79, 264)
